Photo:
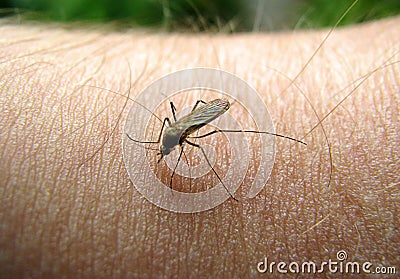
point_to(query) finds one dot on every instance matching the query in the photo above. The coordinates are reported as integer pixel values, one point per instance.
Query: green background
(198, 15)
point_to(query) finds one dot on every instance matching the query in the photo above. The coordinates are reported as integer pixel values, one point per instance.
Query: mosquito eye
(164, 150)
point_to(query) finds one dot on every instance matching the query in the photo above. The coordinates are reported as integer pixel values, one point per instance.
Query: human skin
(64, 219)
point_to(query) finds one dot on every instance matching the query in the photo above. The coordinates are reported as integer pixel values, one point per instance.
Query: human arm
(61, 218)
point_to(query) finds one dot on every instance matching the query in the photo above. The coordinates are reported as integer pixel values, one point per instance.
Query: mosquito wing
(202, 115)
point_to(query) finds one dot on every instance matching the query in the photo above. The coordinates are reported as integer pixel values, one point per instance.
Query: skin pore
(60, 217)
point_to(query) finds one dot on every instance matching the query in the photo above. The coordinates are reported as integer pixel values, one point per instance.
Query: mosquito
(178, 132)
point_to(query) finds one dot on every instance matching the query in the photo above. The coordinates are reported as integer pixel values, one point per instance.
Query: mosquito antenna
(145, 147)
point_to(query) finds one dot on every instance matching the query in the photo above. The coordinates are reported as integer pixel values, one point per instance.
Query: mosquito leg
(176, 165)
(166, 119)
(246, 131)
(159, 137)
(190, 173)
(173, 109)
(205, 156)
(205, 135)
(197, 103)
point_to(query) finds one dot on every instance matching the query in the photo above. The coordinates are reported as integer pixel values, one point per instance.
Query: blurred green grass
(233, 15)
(325, 13)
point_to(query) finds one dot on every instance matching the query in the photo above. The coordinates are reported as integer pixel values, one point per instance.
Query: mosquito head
(164, 150)
(170, 139)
